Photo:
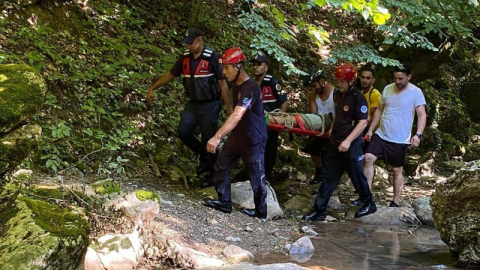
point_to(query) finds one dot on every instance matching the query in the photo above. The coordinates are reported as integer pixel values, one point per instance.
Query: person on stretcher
(310, 121)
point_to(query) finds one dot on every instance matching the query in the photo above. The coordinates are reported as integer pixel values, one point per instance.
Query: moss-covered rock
(8, 194)
(456, 214)
(17, 145)
(22, 92)
(107, 186)
(40, 235)
(144, 195)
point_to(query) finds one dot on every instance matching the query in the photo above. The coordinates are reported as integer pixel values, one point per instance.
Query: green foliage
(359, 53)
(268, 38)
(107, 186)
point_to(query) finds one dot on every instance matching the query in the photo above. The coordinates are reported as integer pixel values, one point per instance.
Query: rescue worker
(272, 99)
(345, 150)
(320, 101)
(246, 141)
(204, 84)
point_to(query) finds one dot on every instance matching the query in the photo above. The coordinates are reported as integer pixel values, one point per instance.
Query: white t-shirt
(327, 106)
(397, 117)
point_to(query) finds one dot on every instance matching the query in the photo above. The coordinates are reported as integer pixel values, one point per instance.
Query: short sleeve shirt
(213, 63)
(373, 99)
(350, 108)
(398, 114)
(251, 129)
(276, 89)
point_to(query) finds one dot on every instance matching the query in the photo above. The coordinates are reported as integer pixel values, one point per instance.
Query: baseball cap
(192, 33)
(259, 58)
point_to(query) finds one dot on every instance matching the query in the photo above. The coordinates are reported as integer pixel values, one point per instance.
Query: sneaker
(321, 216)
(367, 209)
(393, 204)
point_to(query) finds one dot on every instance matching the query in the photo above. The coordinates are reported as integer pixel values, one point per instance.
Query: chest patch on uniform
(363, 109)
(278, 87)
(346, 108)
(245, 100)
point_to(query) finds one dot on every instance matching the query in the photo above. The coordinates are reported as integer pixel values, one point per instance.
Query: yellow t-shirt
(373, 100)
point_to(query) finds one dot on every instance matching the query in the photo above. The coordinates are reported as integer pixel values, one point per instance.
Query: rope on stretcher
(289, 120)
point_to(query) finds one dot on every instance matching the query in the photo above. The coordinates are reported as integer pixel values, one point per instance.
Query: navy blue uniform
(246, 141)
(200, 80)
(272, 99)
(349, 109)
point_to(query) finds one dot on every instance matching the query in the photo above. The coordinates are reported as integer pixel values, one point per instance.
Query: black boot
(253, 213)
(367, 209)
(220, 206)
(315, 215)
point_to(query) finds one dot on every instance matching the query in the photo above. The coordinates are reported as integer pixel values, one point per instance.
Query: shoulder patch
(278, 87)
(364, 109)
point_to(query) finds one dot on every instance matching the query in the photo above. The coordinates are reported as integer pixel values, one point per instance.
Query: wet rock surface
(391, 216)
(457, 216)
(423, 210)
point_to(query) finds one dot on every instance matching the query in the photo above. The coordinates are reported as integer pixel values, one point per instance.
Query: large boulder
(115, 251)
(242, 195)
(22, 92)
(456, 214)
(391, 216)
(17, 145)
(39, 235)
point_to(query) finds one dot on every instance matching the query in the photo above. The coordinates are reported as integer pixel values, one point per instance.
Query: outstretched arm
(165, 79)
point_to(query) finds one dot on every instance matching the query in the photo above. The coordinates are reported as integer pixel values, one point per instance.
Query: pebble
(248, 229)
(233, 239)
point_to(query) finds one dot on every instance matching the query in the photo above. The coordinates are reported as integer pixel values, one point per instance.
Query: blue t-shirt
(251, 129)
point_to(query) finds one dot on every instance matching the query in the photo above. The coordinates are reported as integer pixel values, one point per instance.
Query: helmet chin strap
(238, 72)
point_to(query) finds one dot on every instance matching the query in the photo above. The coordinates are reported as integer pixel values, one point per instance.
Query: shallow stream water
(352, 245)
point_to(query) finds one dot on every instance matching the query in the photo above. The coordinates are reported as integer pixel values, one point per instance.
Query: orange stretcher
(301, 130)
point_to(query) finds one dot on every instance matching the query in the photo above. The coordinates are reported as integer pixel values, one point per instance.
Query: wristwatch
(419, 135)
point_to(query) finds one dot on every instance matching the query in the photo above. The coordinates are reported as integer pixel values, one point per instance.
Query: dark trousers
(271, 150)
(335, 164)
(204, 115)
(252, 157)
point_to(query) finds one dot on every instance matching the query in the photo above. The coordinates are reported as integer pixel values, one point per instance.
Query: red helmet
(346, 72)
(232, 56)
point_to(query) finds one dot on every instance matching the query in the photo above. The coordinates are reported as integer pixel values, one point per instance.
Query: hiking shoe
(367, 209)
(393, 204)
(321, 216)
(218, 205)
